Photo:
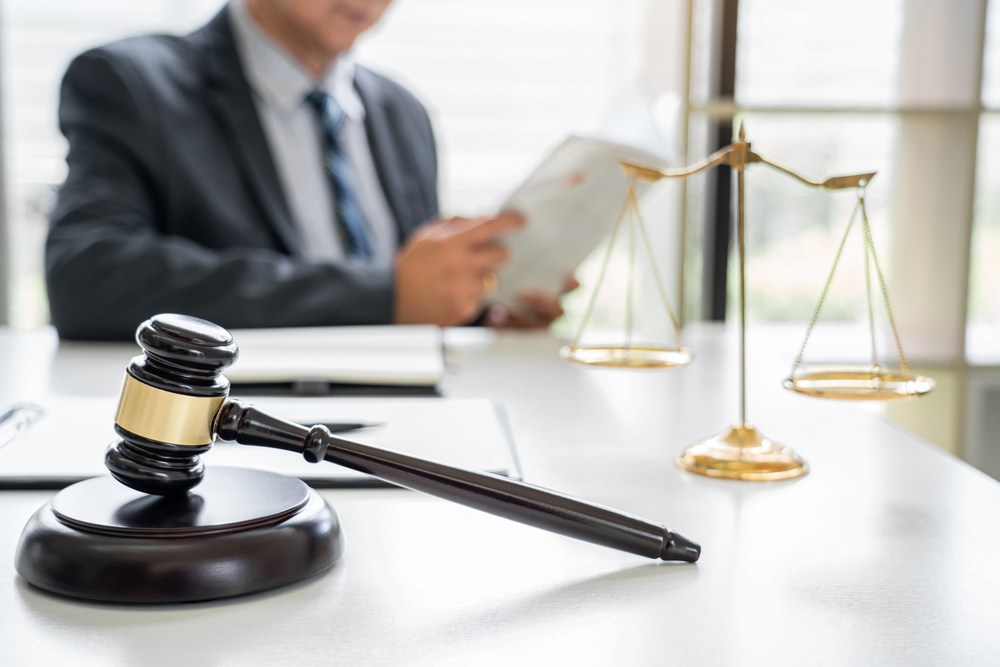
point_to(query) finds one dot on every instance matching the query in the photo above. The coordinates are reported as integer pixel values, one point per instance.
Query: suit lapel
(401, 192)
(232, 103)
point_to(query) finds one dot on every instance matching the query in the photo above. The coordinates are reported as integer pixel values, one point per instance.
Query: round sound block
(239, 531)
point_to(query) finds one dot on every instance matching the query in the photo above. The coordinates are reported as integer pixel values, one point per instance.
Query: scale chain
(604, 270)
(866, 228)
(868, 288)
(826, 288)
(629, 287)
(656, 271)
(869, 253)
(630, 207)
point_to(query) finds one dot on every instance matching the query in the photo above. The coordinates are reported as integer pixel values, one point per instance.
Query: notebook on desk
(363, 360)
(66, 444)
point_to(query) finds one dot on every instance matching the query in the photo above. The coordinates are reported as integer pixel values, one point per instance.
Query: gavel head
(171, 396)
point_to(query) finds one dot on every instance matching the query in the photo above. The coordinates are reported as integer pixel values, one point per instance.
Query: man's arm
(109, 262)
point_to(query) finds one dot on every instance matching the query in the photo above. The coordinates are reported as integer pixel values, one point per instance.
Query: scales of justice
(741, 451)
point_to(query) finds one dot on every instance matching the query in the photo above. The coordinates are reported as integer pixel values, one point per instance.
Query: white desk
(886, 553)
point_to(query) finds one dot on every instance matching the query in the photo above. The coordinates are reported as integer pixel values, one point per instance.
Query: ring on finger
(490, 284)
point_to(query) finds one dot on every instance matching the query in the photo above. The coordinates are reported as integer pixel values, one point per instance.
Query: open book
(571, 202)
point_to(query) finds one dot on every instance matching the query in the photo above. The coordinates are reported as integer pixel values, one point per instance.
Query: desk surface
(885, 554)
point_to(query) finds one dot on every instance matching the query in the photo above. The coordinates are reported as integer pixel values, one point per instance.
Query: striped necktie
(339, 170)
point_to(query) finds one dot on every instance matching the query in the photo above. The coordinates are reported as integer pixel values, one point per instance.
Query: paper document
(571, 203)
(374, 355)
(67, 443)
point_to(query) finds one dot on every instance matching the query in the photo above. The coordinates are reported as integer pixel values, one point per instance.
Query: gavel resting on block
(173, 532)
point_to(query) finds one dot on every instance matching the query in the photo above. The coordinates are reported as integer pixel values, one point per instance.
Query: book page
(571, 203)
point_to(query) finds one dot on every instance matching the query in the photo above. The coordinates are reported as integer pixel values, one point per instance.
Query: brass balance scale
(741, 451)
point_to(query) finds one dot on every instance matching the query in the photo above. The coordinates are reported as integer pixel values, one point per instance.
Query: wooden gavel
(175, 403)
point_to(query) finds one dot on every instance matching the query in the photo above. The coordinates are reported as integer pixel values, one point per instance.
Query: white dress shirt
(280, 85)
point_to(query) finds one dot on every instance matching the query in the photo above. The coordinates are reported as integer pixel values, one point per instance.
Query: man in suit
(252, 174)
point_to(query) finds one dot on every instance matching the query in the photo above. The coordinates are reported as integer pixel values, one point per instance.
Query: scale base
(238, 532)
(741, 452)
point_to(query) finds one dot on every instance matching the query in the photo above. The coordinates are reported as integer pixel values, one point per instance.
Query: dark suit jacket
(173, 204)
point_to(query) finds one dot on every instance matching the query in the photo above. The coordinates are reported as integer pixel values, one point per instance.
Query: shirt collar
(279, 78)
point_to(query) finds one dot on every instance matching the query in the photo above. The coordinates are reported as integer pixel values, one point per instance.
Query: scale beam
(650, 175)
(832, 183)
(729, 155)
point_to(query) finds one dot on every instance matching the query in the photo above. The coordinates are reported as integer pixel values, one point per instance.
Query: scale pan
(857, 384)
(627, 357)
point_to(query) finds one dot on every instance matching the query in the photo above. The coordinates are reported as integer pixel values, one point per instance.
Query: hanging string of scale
(875, 383)
(629, 355)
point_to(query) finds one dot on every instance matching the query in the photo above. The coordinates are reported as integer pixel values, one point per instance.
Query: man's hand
(442, 272)
(535, 310)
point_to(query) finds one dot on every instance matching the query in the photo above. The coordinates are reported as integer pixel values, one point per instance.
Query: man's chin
(336, 42)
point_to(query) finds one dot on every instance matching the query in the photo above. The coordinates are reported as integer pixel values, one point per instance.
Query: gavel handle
(504, 497)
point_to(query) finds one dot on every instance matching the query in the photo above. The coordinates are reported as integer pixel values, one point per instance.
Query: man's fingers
(474, 232)
(455, 225)
(486, 231)
(499, 317)
(541, 306)
(487, 259)
(431, 230)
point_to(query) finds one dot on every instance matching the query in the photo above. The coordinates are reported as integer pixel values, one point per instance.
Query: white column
(941, 59)
(940, 64)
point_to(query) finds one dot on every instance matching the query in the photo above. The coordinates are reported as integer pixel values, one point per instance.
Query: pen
(343, 427)
(340, 427)
(16, 419)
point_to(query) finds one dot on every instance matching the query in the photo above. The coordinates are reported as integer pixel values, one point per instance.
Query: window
(504, 81)
(983, 344)
(40, 38)
(797, 65)
(831, 55)
(793, 231)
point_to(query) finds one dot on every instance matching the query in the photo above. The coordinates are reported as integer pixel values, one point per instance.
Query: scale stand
(741, 451)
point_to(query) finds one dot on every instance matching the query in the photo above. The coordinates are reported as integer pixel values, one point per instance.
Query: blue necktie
(341, 175)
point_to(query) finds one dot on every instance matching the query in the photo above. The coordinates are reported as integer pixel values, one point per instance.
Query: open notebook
(66, 444)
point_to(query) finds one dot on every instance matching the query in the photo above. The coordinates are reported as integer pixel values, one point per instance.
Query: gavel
(175, 403)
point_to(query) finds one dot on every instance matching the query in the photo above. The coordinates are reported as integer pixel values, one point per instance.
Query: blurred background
(910, 88)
